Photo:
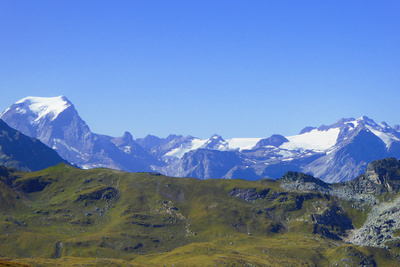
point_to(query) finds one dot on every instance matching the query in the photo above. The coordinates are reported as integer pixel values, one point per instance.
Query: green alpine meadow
(65, 216)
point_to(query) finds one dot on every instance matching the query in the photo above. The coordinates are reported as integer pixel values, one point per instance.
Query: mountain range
(66, 216)
(335, 153)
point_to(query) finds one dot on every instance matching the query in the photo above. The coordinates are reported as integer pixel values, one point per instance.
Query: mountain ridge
(333, 153)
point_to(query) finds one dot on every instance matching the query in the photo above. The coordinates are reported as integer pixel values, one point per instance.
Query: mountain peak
(127, 136)
(216, 142)
(307, 129)
(364, 118)
(368, 121)
(216, 137)
(43, 106)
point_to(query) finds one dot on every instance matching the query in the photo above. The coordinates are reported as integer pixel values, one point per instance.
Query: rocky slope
(375, 191)
(24, 153)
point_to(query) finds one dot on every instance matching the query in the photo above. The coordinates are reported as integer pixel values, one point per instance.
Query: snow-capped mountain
(55, 121)
(334, 153)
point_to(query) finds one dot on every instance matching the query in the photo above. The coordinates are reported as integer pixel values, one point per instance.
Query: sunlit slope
(66, 215)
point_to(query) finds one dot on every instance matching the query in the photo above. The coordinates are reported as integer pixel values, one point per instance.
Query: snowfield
(316, 140)
(242, 143)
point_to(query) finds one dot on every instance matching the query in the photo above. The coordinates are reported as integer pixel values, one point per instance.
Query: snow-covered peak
(368, 121)
(43, 106)
(323, 139)
(382, 130)
(215, 142)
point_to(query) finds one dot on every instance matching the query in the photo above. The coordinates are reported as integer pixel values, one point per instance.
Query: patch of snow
(93, 166)
(86, 166)
(383, 126)
(61, 142)
(104, 166)
(75, 150)
(355, 123)
(21, 110)
(180, 151)
(385, 137)
(285, 153)
(197, 143)
(4, 112)
(43, 106)
(127, 149)
(331, 150)
(318, 141)
(222, 147)
(177, 152)
(242, 143)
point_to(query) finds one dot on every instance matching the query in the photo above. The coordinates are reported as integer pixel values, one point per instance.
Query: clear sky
(235, 68)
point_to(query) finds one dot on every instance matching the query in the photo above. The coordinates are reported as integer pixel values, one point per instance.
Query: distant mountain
(56, 123)
(334, 153)
(205, 163)
(24, 153)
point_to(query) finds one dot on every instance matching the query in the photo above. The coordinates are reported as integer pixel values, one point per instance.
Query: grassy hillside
(64, 216)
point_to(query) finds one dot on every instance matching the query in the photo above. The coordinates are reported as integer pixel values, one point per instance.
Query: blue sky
(235, 68)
